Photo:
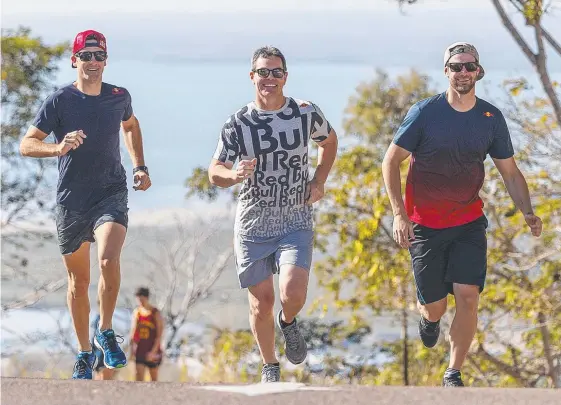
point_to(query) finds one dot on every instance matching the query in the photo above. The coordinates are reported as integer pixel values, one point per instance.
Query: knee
(108, 264)
(467, 296)
(262, 306)
(293, 295)
(78, 285)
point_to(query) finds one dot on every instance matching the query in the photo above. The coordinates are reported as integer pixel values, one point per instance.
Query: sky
(69, 6)
(342, 31)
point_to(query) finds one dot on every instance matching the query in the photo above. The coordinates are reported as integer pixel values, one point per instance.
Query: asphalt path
(30, 391)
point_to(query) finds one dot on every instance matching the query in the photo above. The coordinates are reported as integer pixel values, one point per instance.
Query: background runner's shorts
(258, 258)
(442, 257)
(149, 364)
(76, 227)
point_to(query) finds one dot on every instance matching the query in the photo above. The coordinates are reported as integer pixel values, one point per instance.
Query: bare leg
(433, 311)
(464, 325)
(153, 373)
(293, 286)
(140, 371)
(78, 267)
(110, 238)
(261, 318)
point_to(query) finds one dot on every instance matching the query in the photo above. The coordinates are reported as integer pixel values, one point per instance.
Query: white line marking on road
(264, 388)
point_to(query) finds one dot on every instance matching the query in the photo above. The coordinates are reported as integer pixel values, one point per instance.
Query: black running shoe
(454, 380)
(429, 332)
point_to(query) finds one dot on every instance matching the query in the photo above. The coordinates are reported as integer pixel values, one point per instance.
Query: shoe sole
(292, 360)
(96, 344)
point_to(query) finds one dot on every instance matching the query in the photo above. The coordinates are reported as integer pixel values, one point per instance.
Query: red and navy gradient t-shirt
(448, 149)
(94, 170)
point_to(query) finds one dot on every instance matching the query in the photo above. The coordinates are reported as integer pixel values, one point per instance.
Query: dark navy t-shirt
(93, 171)
(448, 149)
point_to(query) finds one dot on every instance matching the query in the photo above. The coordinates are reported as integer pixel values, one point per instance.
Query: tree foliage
(28, 69)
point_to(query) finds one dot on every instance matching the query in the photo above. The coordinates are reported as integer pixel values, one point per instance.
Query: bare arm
(326, 157)
(159, 332)
(33, 145)
(221, 174)
(133, 140)
(392, 177)
(515, 184)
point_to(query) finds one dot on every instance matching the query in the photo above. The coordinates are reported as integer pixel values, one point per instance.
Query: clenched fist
(245, 169)
(72, 140)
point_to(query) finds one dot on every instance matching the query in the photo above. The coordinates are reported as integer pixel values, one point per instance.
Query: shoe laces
(271, 373)
(292, 336)
(109, 341)
(430, 328)
(81, 366)
(454, 381)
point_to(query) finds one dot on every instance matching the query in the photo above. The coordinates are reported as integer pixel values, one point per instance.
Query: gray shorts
(77, 227)
(258, 258)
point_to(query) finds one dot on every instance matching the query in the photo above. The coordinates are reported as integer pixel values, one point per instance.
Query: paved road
(21, 391)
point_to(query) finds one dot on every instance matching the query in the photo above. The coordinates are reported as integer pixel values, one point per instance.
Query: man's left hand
(535, 224)
(315, 191)
(141, 181)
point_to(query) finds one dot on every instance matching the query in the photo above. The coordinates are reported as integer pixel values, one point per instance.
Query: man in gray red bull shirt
(269, 138)
(92, 198)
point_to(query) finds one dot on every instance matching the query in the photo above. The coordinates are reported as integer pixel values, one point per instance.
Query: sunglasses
(86, 56)
(457, 67)
(264, 72)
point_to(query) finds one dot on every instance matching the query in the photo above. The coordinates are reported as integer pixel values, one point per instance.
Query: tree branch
(533, 263)
(541, 68)
(505, 368)
(513, 31)
(546, 340)
(554, 44)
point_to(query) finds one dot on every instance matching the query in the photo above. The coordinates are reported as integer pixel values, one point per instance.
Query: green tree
(28, 69)
(366, 272)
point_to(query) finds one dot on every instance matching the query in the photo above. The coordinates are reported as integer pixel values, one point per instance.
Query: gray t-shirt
(272, 202)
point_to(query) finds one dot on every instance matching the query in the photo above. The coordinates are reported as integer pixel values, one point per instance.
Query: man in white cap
(441, 221)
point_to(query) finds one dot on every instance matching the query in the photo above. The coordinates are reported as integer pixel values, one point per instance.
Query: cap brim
(481, 73)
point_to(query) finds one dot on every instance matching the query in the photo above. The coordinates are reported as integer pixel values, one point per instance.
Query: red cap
(89, 38)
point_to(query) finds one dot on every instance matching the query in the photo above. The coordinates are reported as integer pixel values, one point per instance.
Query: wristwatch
(140, 168)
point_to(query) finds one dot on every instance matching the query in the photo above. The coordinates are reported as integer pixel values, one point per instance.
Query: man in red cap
(92, 198)
(441, 222)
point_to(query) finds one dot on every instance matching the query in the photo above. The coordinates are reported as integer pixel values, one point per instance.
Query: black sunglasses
(457, 67)
(264, 72)
(86, 56)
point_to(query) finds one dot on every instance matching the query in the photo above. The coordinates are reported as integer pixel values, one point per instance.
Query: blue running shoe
(113, 356)
(85, 362)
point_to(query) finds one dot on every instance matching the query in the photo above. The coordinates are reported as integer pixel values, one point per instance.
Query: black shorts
(76, 227)
(149, 364)
(442, 257)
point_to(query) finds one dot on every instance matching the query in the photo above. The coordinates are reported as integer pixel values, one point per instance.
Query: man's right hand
(245, 169)
(72, 140)
(402, 230)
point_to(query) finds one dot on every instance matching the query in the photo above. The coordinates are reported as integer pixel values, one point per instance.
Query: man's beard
(463, 88)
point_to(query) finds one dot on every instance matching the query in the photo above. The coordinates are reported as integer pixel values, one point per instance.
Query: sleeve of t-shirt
(409, 133)
(128, 108)
(501, 148)
(319, 127)
(47, 118)
(227, 149)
